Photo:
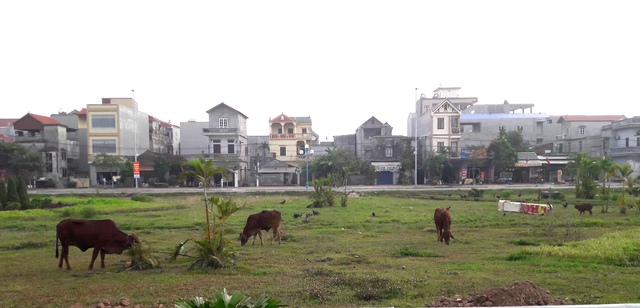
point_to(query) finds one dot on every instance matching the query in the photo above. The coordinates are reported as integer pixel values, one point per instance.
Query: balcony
(300, 136)
(455, 130)
(209, 131)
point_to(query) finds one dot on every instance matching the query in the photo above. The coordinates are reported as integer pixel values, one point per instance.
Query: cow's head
(243, 239)
(446, 235)
(132, 239)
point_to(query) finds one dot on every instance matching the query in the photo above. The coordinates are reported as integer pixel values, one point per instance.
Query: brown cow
(264, 220)
(583, 208)
(102, 235)
(443, 224)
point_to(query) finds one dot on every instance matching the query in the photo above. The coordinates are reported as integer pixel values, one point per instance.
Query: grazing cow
(264, 220)
(443, 224)
(102, 235)
(584, 208)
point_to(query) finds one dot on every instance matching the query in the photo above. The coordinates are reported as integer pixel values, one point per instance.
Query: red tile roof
(7, 122)
(591, 118)
(44, 120)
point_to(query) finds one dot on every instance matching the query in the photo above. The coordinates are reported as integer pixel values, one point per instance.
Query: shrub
(88, 212)
(141, 257)
(12, 191)
(476, 193)
(506, 194)
(38, 203)
(223, 300)
(22, 194)
(141, 198)
(323, 192)
(370, 288)
(12, 206)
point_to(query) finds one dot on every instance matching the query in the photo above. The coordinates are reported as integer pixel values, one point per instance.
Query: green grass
(343, 257)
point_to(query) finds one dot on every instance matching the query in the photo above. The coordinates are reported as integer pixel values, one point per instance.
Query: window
(107, 146)
(539, 128)
(582, 130)
(283, 151)
(223, 122)
(440, 123)
(289, 130)
(63, 155)
(549, 121)
(279, 130)
(216, 146)
(388, 152)
(48, 162)
(64, 172)
(231, 146)
(102, 121)
(440, 147)
(304, 130)
(520, 128)
(539, 141)
(569, 147)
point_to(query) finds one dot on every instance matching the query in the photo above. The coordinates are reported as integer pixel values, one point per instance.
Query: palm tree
(204, 172)
(625, 173)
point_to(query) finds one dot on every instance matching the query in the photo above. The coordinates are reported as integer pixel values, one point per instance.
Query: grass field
(343, 257)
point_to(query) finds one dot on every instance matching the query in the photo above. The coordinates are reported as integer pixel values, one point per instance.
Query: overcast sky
(339, 62)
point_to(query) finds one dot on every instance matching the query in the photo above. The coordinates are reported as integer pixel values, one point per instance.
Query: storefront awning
(386, 166)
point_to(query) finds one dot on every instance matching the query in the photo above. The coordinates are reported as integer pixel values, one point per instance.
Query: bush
(476, 193)
(88, 212)
(506, 194)
(12, 206)
(323, 193)
(223, 300)
(38, 203)
(141, 198)
(3, 194)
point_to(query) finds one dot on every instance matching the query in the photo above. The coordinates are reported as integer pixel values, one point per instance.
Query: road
(174, 190)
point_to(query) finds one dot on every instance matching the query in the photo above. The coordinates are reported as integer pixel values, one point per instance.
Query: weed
(407, 252)
(141, 198)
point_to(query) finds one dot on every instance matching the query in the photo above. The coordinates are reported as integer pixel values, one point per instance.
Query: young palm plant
(204, 172)
(224, 300)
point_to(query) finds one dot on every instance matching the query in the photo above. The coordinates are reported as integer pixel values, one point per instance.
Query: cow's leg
(278, 232)
(94, 255)
(64, 256)
(102, 253)
(260, 235)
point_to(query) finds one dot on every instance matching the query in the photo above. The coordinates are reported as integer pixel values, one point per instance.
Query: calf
(584, 208)
(264, 220)
(102, 235)
(443, 224)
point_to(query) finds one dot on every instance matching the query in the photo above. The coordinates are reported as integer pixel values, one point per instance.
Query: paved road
(173, 190)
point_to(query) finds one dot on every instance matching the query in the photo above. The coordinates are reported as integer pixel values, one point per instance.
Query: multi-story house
(160, 136)
(77, 121)
(193, 143)
(115, 127)
(227, 141)
(479, 129)
(438, 124)
(621, 139)
(289, 137)
(583, 134)
(48, 136)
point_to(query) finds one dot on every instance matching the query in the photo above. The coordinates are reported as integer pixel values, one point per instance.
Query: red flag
(527, 159)
(548, 162)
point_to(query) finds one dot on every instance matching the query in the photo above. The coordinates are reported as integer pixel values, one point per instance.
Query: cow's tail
(56, 245)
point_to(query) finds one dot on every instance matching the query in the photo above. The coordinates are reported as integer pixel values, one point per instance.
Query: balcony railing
(455, 130)
(300, 136)
(218, 130)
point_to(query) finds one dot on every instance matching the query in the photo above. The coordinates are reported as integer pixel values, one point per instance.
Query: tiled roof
(44, 120)
(7, 122)
(591, 118)
(225, 105)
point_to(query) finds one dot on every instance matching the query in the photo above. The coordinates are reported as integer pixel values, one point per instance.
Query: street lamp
(306, 158)
(415, 151)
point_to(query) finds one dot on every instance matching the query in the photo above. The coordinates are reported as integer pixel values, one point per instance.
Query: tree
(587, 172)
(12, 191)
(204, 172)
(335, 160)
(516, 141)
(435, 164)
(19, 162)
(161, 167)
(21, 188)
(625, 173)
(503, 153)
(3, 194)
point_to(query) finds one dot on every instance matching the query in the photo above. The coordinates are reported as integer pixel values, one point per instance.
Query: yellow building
(288, 137)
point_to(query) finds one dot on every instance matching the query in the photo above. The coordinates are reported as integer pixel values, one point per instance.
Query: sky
(339, 62)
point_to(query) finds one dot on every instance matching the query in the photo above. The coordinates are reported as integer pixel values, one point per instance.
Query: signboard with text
(136, 169)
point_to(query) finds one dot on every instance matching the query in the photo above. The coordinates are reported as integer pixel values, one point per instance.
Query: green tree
(21, 188)
(3, 194)
(19, 162)
(204, 172)
(503, 153)
(587, 172)
(626, 174)
(161, 167)
(12, 191)
(435, 164)
(335, 160)
(516, 140)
